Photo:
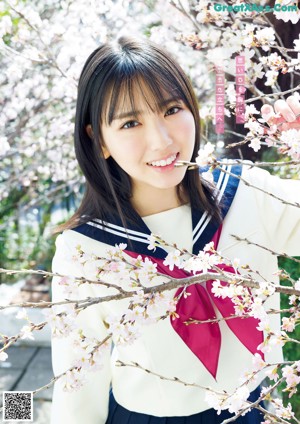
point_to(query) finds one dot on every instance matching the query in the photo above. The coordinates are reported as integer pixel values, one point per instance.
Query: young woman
(136, 116)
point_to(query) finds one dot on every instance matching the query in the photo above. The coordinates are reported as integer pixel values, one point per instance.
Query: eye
(129, 124)
(173, 110)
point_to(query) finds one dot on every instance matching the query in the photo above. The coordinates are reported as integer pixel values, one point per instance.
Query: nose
(159, 134)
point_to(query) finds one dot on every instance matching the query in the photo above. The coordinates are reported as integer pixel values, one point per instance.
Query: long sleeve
(281, 221)
(90, 403)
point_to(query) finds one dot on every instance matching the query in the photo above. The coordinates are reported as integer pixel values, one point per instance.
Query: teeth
(163, 162)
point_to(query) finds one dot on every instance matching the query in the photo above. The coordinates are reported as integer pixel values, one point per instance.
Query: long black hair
(112, 73)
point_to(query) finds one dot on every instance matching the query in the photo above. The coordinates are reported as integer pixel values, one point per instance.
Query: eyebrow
(139, 112)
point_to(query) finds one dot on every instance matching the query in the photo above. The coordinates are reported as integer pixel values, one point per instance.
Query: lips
(164, 162)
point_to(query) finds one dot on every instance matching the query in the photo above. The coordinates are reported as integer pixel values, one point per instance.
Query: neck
(160, 200)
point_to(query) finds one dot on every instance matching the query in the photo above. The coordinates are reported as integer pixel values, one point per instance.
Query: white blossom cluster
(44, 45)
(41, 62)
(147, 307)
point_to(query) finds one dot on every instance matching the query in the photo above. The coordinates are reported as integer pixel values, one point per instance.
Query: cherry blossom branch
(259, 407)
(187, 384)
(120, 363)
(292, 90)
(49, 60)
(295, 204)
(244, 141)
(217, 165)
(258, 164)
(182, 10)
(216, 320)
(8, 341)
(172, 283)
(16, 53)
(56, 378)
(284, 255)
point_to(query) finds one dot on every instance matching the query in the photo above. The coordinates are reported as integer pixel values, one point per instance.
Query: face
(147, 146)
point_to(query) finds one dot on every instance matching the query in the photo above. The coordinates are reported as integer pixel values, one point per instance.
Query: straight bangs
(155, 93)
(156, 85)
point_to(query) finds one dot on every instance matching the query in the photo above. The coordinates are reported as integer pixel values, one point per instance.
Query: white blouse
(254, 216)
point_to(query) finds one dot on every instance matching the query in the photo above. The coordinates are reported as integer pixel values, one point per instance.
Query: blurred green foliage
(291, 351)
(26, 235)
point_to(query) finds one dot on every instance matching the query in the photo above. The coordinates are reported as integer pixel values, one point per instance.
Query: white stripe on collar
(120, 233)
(205, 219)
(120, 229)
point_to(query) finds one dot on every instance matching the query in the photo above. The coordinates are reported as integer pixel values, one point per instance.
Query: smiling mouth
(164, 162)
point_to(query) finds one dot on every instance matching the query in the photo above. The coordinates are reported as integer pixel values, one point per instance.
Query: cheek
(125, 150)
(187, 128)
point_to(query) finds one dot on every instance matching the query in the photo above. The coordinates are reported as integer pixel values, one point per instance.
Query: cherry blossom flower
(231, 92)
(236, 263)
(149, 267)
(282, 411)
(278, 339)
(135, 314)
(234, 403)
(218, 289)
(4, 146)
(286, 15)
(209, 247)
(272, 373)
(257, 69)
(257, 309)
(73, 380)
(265, 38)
(250, 110)
(83, 359)
(26, 332)
(22, 314)
(288, 324)
(265, 289)
(152, 242)
(207, 112)
(255, 144)
(173, 259)
(254, 126)
(204, 154)
(291, 141)
(201, 263)
(265, 346)
(238, 400)
(214, 400)
(248, 377)
(3, 356)
(291, 376)
(271, 78)
(98, 357)
(258, 362)
(208, 176)
(264, 325)
(62, 320)
(297, 44)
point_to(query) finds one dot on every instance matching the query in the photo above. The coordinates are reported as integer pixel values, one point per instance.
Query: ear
(90, 133)
(105, 151)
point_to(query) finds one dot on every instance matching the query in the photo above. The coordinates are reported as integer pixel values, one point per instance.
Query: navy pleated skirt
(119, 415)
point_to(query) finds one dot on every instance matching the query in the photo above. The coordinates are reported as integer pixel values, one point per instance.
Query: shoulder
(70, 242)
(255, 178)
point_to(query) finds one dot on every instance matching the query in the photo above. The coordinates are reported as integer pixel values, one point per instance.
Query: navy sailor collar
(112, 233)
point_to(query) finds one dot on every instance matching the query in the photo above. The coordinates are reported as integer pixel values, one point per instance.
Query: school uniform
(165, 347)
